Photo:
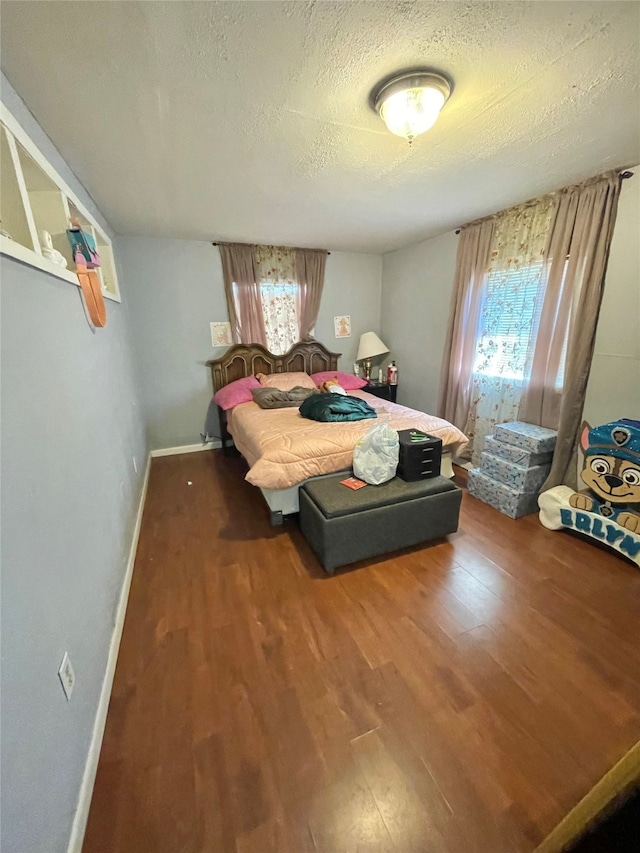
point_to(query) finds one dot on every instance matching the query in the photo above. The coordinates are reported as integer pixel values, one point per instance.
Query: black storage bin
(419, 457)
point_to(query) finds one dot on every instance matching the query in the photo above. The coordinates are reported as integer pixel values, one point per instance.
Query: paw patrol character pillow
(609, 508)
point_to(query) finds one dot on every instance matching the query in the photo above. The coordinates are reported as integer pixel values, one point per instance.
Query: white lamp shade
(370, 346)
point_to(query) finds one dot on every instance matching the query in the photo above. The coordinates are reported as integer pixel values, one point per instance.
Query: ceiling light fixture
(410, 103)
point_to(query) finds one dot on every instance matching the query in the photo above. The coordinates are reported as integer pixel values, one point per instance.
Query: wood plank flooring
(458, 697)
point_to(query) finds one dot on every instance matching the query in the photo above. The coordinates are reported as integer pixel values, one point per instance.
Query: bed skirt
(283, 502)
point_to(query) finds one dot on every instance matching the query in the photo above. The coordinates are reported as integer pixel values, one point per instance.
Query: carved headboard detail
(248, 359)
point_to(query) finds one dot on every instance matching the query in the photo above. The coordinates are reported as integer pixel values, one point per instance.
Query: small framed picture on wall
(342, 326)
(221, 334)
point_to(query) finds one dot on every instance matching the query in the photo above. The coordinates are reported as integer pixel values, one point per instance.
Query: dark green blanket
(336, 407)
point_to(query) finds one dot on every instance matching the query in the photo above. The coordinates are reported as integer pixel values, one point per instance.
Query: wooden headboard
(248, 359)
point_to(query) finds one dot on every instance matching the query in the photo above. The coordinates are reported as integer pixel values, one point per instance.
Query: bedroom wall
(177, 290)
(614, 382)
(416, 290)
(417, 282)
(71, 424)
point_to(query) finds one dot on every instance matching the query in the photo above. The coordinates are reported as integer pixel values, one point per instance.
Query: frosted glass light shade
(410, 103)
(370, 346)
(412, 112)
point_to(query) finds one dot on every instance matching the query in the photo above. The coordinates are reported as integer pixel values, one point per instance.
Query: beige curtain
(309, 266)
(474, 249)
(577, 251)
(242, 291)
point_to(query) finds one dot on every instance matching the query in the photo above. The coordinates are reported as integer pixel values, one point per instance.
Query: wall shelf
(33, 198)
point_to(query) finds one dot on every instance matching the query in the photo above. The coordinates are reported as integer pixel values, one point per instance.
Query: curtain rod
(279, 247)
(623, 177)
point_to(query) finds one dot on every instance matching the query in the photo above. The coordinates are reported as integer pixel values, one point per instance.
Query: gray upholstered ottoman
(343, 526)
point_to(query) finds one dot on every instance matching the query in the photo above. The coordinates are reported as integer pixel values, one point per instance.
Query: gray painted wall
(352, 286)
(176, 290)
(416, 290)
(614, 382)
(70, 427)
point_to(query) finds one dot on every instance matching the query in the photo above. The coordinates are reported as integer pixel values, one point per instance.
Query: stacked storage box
(514, 465)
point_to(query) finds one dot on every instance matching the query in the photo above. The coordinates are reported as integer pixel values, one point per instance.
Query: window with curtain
(510, 315)
(506, 338)
(273, 293)
(524, 312)
(508, 319)
(279, 296)
(280, 315)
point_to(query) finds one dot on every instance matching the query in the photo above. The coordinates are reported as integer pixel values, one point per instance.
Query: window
(280, 315)
(508, 314)
(278, 297)
(278, 306)
(509, 321)
(273, 292)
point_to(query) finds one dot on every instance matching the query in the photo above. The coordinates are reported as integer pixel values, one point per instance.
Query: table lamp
(370, 346)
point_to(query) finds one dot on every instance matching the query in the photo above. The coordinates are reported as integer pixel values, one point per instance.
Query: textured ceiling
(250, 120)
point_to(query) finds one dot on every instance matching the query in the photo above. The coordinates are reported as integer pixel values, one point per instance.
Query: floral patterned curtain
(278, 288)
(507, 326)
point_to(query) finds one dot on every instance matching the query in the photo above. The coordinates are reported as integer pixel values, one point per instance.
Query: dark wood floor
(458, 697)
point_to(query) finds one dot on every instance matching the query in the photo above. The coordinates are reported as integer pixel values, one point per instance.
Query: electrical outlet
(135, 464)
(67, 676)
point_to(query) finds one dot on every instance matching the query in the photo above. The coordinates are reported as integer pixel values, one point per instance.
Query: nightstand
(379, 389)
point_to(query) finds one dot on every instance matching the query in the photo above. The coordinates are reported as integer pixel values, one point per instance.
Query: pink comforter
(284, 449)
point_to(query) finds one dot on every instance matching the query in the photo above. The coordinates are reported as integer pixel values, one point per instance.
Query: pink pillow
(236, 392)
(346, 380)
(286, 381)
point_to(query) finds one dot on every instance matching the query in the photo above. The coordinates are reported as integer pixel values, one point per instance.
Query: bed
(284, 450)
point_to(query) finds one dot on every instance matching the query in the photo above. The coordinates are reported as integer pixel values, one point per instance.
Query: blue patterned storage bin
(501, 497)
(516, 476)
(537, 439)
(515, 454)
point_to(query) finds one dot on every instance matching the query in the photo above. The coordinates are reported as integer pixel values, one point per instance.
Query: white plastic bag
(375, 456)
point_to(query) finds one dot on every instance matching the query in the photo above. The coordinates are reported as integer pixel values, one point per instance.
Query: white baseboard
(93, 756)
(187, 448)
